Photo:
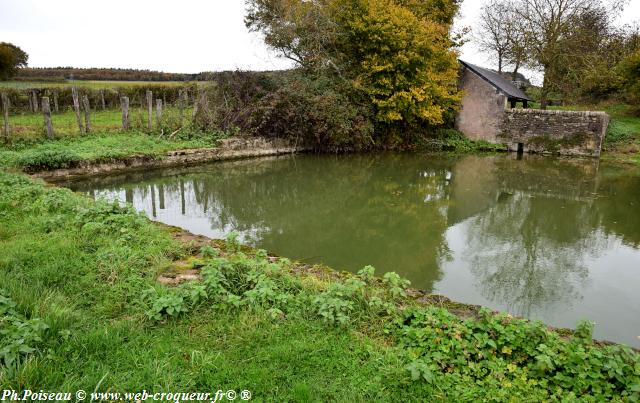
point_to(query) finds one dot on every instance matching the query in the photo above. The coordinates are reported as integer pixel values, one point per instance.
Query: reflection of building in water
(528, 224)
(480, 182)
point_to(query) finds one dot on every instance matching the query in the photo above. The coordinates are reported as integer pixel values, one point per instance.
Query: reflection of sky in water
(170, 212)
(554, 240)
(609, 295)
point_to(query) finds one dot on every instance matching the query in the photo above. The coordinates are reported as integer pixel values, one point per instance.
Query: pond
(544, 238)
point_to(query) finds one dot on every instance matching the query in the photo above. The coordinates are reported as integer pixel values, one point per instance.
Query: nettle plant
(228, 283)
(19, 336)
(516, 353)
(255, 282)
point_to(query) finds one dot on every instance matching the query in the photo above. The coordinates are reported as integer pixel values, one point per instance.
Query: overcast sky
(186, 36)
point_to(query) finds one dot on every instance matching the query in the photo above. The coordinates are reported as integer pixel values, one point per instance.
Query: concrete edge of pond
(229, 149)
(183, 273)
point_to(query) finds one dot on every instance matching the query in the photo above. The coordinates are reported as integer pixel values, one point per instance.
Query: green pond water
(550, 239)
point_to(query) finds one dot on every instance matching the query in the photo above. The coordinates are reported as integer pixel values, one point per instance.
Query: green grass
(80, 308)
(97, 147)
(30, 149)
(29, 126)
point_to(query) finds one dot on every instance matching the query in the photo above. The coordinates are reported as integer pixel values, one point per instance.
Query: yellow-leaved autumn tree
(402, 61)
(398, 54)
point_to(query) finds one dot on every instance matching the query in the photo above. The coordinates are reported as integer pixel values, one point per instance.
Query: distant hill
(99, 74)
(56, 74)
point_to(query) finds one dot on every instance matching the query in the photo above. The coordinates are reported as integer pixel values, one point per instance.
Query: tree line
(575, 44)
(98, 74)
(105, 74)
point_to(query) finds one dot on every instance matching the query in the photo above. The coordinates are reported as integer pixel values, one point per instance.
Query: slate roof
(500, 83)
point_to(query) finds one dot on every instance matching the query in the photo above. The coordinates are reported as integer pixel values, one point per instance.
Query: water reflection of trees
(530, 223)
(619, 202)
(528, 250)
(344, 212)
(389, 211)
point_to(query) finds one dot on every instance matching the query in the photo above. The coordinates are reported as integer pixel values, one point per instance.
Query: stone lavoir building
(490, 112)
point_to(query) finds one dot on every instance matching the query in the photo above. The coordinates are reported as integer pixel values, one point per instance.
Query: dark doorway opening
(520, 148)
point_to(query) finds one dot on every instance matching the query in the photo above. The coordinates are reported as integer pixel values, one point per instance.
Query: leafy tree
(591, 51)
(563, 37)
(396, 54)
(402, 61)
(11, 58)
(573, 42)
(630, 71)
(498, 32)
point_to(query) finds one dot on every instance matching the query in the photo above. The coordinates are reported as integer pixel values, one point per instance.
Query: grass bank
(81, 308)
(103, 146)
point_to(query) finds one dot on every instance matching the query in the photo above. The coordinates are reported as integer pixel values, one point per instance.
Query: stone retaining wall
(554, 132)
(233, 148)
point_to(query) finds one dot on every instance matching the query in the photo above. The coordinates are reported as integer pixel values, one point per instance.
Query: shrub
(454, 141)
(315, 111)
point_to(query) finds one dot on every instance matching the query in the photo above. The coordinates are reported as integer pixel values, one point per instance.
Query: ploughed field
(544, 238)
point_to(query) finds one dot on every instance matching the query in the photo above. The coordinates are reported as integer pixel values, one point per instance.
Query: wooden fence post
(149, 109)
(76, 108)
(124, 102)
(87, 112)
(196, 103)
(158, 111)
(46, 111)
(5, 115)
(55, 101)
(104, 105)
(34, 95)
(181, 105)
